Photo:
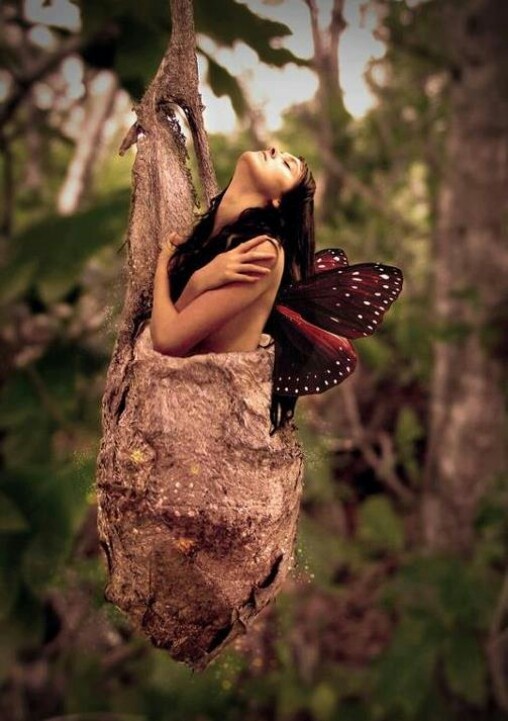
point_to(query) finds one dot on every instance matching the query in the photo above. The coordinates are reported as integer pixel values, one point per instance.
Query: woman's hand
(168, 245)
(235, 265)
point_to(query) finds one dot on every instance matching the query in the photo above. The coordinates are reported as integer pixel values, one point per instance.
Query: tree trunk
(33, 173)
(102, 90)
(331, 113)
(197, 503)
(467, 444)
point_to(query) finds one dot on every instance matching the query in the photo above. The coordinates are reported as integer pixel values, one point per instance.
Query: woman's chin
(250, 156)
(248, 165)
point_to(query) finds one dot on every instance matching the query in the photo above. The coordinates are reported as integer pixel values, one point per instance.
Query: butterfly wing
(308, 359)
(347, 300)
(329, 259)
(312, 321)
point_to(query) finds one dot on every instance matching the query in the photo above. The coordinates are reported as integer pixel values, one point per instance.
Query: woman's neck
(232, 205)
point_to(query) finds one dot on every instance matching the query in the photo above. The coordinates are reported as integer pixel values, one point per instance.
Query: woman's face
(267, 172)
(261, 177)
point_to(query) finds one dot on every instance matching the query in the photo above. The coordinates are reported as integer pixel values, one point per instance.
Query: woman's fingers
(175, 237)
(254, 255)
(255, 268)
(252, 242)
(241, 276)
(259, 254)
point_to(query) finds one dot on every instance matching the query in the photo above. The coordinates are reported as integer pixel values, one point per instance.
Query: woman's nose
(273, 152)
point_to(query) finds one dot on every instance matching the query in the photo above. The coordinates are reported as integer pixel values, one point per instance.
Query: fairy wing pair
(313, 321)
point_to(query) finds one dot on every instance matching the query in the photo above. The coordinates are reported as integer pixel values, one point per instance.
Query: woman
(198, 515)
(220, 302)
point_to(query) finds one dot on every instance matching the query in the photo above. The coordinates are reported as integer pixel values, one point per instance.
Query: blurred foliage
(52, 266)
(379, 527)
(142, 32)
(435, 665)
(445, 605)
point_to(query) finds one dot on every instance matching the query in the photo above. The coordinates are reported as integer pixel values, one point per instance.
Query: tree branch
(182, 88)
(336, 27)
(382, 464)
(47, 64)
(374, 199)
(316, 35)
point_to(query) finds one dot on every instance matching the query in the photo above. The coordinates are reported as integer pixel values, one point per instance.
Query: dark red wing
(348, 300)
(329, 259)
(312, 321)
(308, 359)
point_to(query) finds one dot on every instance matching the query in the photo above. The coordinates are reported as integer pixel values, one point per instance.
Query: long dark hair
(292, 223)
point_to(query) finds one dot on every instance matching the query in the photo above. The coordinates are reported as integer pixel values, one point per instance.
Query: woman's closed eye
(291, 163)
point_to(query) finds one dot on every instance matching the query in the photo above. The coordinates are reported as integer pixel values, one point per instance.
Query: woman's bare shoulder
(276, 264)
(275, 242)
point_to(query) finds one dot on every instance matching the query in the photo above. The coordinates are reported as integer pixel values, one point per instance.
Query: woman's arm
(175, 333)
(163, 308)
(193, 288)
(236, 264)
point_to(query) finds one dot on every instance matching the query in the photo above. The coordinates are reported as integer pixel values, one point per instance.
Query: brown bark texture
(197, 503)
(198, 518)
(467, 448)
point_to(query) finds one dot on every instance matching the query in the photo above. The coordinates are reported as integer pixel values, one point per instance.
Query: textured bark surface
(198, 510)
(468, 416)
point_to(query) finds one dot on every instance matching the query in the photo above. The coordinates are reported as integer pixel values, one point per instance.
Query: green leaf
(404, 672)
(223, 83)
(11, 518)
(51, 253)
(408, 432)
(323, 702)
(227, 21)
(356, 710)
(376, 353)
(412, 333)
(435, 706)
(144, 31)
(19, 403)
(292, 695)
(451, 331)
(321, 551)
(466, 292)
(469, 594)
(10, 555)
(36, 400)
(44, 556)
(14, 284)
(53, 502)
(379, 526)
(318, 479)
(448, 589)
(409, 429)
(136, 60)
(13, 638)
(465, 667)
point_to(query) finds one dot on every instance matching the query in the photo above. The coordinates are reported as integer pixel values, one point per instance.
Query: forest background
(398, 604)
